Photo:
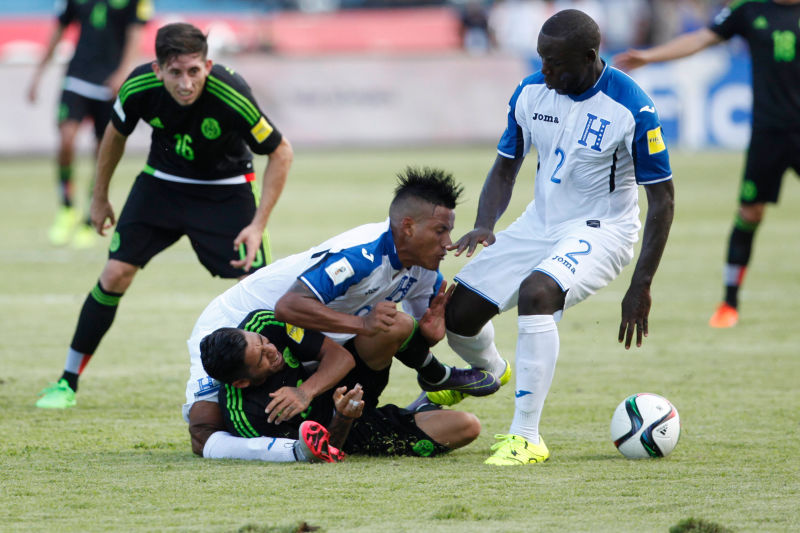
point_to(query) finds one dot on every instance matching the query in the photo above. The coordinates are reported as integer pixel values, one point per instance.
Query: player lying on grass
(349, 287)
(269, 396)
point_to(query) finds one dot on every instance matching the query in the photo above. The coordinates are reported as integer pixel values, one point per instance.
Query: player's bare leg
(67, 217)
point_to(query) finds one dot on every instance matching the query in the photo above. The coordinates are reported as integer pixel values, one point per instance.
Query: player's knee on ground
(205, 419)
(453, 429)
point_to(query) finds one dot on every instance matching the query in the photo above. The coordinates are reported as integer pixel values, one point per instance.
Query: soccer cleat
(423, 403)
(61, 230)
(313, 444)
(57, 396)
(516, 450)
(85, 237)
(726, 316)
(472, 381)
(452, 397)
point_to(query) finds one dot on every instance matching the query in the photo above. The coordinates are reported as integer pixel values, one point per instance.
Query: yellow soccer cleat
(85, 237)
(452, 397)
(726, 316)
(63, 225)
(516, 450)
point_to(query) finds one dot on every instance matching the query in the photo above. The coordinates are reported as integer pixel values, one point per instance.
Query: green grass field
(121, 461)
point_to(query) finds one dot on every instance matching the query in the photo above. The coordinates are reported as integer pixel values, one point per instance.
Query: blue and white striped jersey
(349, 273)
(593, 149)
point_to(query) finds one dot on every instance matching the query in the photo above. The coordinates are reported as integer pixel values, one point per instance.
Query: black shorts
(390, 430)
(770, 155)
(73, 106)
(158, 212)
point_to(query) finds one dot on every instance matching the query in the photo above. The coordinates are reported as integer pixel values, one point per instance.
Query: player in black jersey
(198, 181)
(110, 33)
(264, 366)
(772, 31)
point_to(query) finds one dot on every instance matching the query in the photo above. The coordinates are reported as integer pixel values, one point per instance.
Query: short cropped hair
(178, 39)
(575, 26)
(222, 354)
(432, 185)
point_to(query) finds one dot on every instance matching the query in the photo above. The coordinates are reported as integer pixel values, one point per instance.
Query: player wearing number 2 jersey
(197, 181)
(597, 136)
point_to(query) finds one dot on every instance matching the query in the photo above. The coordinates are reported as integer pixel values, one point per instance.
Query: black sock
(65, 185)
(740, 248)
(415, 353)
(72, 380)
(95, 319)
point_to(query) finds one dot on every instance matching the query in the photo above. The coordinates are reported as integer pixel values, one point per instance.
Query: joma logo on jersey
(564, 262)
(598, 133)
(545, 118)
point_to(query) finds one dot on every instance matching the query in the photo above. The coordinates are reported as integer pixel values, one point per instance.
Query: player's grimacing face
(566, 70)
(184, 76)
(432, 237)
(261, 358)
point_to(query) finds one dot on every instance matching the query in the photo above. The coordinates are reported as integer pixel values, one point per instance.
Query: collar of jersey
(387, 244)
(594, 89)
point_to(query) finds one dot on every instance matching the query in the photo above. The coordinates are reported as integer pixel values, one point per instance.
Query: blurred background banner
(367, 73)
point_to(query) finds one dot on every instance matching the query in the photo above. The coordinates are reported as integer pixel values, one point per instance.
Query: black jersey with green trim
(104, 25)
(773, 33)
(207, 140)
(298, 345)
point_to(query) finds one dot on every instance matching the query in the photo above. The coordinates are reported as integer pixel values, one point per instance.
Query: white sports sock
(73, 362)
(223, 445)
(537, 352)
(480, 350)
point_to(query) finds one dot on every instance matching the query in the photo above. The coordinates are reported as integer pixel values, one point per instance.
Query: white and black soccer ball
(645, 425)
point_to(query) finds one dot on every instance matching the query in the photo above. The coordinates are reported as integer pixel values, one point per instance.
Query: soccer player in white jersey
(348, 287)
(597, 136)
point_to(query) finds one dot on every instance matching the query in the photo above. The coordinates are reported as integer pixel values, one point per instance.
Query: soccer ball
(645, 425)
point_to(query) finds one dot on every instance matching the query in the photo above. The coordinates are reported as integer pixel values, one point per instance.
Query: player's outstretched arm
(636, 303)
(112, 146)
(495, 196)
(55, 38)
(275, 175)
(299, 306)
(681, 46)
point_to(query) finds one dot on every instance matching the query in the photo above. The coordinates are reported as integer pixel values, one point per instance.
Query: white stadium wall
(378, 100)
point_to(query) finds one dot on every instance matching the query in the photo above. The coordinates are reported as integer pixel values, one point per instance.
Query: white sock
(480, 350)
(537, 352)
(223, 445)
(73, 362)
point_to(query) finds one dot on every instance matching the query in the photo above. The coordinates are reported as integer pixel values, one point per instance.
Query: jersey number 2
(562, 155)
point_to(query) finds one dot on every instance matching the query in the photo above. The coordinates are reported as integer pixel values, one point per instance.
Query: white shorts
(582, 259)
(201, 386)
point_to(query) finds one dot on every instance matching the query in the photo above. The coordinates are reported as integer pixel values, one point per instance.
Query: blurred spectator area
(352, 26)
(426, 29)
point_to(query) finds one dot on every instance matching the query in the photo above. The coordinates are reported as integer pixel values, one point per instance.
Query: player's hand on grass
(471, 240)
(349, 403)
(286, 403)
(380, 319)
(635, 310)
(432, 325)
(102, 215)
(250, 237)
